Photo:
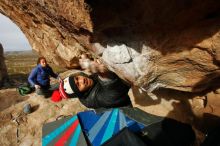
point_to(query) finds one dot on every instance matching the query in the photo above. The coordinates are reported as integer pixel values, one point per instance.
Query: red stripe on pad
(67, 134)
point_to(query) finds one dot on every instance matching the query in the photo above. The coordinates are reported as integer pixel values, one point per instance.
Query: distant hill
(28, 52)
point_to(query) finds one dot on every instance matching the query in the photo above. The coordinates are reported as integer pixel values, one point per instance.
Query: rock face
(151, 44)
(3, 68)
(202, 111)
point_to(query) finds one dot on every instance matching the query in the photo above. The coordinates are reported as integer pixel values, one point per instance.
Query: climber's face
(43, 62)
(83, 83)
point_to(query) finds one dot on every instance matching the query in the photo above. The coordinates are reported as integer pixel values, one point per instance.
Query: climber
(39, 78)
(100, 89)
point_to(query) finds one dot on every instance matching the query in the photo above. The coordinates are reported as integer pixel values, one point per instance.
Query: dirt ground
(18, 128)
(9, 98)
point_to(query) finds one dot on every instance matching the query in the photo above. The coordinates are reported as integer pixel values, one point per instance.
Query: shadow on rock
(15, 80)
(34, 108)
(9, 98)
(143, 98)
(179, 26)
(197, 109)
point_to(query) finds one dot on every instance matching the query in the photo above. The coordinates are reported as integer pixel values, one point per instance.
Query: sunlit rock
(150, 44)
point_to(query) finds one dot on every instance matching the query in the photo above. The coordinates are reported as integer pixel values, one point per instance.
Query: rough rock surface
(151, 44)
(201, 110)
(3, 68)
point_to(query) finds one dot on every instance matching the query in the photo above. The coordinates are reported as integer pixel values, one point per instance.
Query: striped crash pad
(100, 127)
(94, 126)
(64, 132)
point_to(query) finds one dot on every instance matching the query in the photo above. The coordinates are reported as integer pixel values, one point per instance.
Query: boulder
(3, 68)
(151, 44)
(169, 51)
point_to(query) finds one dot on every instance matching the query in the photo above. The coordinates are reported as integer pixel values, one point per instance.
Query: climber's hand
(37, 86)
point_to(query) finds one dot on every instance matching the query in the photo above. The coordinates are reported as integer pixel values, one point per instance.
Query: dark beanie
(73, 86)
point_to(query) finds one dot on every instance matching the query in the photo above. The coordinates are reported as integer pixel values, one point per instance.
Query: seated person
(39, 78)
(101, 89)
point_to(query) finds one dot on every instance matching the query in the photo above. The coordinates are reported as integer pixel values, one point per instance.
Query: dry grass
(20, 64)
(23, 62)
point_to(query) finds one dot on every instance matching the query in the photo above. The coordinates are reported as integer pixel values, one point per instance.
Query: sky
(11, 37)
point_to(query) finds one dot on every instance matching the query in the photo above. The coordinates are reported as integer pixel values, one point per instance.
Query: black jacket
(107, 94)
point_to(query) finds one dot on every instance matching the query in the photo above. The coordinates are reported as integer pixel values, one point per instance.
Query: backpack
(24, 89)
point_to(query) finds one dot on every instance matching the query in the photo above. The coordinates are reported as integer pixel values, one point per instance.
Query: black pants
(47, 92)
